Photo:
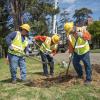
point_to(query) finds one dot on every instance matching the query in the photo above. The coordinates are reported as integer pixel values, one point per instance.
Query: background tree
(3, 29)
(35, 11)
(94, 29)
(44, 12)
(81, 16)
(63, 18)
(15, 12)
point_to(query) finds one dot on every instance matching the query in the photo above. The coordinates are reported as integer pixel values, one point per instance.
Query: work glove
(11, 47)
(51, 55)
(64, 64)
(47, 52)
(70, 55)
(27, 53)
(80, 34)
(33, 40)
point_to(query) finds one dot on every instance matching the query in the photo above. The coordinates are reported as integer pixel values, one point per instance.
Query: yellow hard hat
(55, 38)
(26, 27)
(68, 27)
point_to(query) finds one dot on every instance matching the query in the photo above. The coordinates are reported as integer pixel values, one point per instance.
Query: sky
(72, 5)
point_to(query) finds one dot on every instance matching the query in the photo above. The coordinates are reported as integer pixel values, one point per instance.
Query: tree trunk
(0, 51)
(17, 7)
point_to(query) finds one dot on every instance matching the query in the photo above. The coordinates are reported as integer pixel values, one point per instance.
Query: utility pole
(55, 18)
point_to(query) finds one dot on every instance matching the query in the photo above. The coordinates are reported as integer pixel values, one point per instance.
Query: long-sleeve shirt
(42, 39)
(11, 36)
(86, 36)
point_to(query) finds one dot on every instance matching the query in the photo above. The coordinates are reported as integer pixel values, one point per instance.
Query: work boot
(13, 82)
(87, 82)
(24, 81)
(46, 75)
(80, 77)
(52, 75)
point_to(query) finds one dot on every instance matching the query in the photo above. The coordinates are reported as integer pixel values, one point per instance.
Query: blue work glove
(79, 34)
(11, 47)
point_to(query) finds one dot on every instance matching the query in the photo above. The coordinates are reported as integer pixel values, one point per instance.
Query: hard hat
(68, 27)
(26, 27)
(55, 38)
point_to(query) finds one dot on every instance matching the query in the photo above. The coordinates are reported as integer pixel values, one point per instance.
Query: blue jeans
(46, 58)
(14, 62)
(85, 58)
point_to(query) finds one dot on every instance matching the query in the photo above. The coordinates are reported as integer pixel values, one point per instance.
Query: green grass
(20, 91)
(95, 51)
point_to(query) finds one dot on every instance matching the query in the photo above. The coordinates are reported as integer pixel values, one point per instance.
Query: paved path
(94, 57)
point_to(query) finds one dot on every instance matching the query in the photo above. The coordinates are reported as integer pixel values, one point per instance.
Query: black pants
(47, 60)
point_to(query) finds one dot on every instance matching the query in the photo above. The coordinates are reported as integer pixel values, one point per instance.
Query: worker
(78, 45)
(47, 51)
(17, 42)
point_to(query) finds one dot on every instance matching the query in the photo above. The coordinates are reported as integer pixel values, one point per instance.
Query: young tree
(81, 16)
(94, 29)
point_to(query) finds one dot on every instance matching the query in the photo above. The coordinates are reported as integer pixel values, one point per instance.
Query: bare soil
(66, 80)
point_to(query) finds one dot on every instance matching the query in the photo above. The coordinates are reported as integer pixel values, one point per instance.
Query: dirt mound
(47, 82)
(96, 67)
(66, 81)
(96, 74)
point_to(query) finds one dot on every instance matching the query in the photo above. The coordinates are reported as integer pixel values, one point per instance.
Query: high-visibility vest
(82, 46)
(18, 45)
(47, 47)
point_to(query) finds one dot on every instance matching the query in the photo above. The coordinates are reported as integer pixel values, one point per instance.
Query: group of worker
(17, 42)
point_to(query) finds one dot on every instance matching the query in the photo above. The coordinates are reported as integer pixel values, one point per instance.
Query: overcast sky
(71, 5)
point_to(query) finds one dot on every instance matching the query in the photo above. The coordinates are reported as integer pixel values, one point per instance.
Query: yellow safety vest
(82, 46)
(46, 46)
(18, 45)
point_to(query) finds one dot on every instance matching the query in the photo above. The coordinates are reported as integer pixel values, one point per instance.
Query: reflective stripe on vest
(81, 47)
(47, 47)
(18, 45)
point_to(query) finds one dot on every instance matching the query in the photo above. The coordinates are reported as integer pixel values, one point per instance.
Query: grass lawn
(95, 51)
(21, 91)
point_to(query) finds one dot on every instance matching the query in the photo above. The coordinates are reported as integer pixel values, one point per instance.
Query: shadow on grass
(37, 73)
(6, 80)
(9, 80)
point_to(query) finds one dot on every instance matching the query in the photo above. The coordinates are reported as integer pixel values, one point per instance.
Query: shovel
(71, 57)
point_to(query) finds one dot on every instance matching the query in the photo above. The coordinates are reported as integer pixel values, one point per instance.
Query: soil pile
(67, 81)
